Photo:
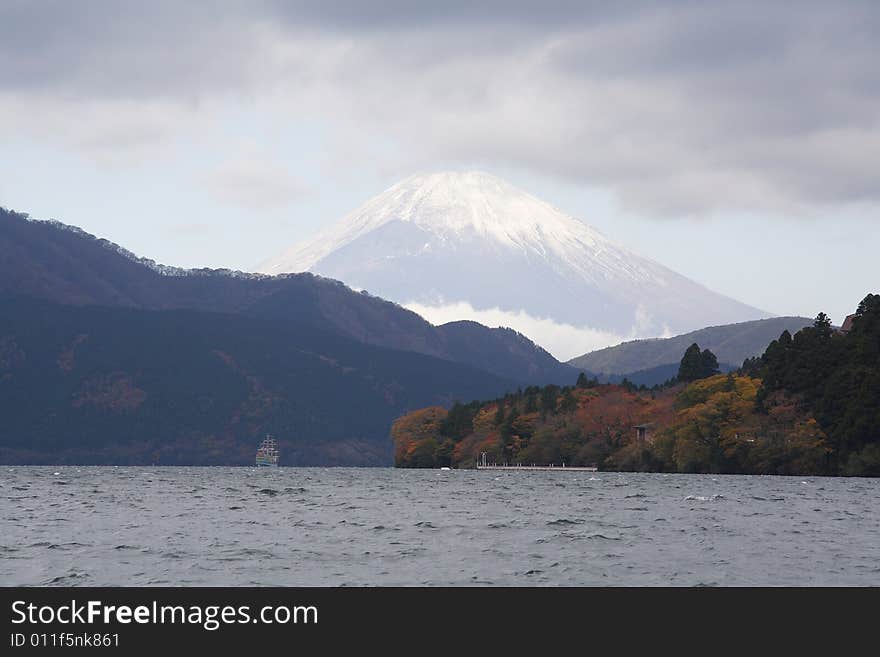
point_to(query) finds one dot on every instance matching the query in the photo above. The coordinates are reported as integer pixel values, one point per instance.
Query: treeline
(533, 425)
(709, 425)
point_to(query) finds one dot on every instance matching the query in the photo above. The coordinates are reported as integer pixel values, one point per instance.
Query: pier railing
(557, 468)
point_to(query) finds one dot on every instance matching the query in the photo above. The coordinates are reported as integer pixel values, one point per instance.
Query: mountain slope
(732, 344)
(60, 263)
(475, 242)
(88, 384)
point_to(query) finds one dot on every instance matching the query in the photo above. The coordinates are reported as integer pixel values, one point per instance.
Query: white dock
(542, 468)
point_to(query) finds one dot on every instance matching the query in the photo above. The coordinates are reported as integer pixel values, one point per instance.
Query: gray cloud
(679, 108)
(251, 179)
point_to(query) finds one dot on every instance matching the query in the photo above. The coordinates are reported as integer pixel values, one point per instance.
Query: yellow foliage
(484, 420)
(710, 425)
(408, 430)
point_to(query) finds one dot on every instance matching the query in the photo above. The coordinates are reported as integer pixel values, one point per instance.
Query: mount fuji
(469, 245)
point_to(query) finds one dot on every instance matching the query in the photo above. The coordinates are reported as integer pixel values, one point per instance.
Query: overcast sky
(738, 143)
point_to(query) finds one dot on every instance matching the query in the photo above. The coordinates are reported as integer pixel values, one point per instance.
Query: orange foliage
(113, 392)
(710, 425)
(408, 430)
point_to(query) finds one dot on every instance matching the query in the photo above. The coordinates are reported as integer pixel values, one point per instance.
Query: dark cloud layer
(683, 107)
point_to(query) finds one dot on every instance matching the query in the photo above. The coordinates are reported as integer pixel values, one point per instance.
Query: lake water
(339, 526)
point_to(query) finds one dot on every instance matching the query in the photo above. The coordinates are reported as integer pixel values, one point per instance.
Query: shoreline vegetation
(810, 405)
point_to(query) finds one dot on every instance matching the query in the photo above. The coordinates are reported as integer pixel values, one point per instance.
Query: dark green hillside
(114, 385)
(50, 260)
(837, 376)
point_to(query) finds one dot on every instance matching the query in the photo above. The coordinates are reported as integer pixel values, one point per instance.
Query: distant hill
(50, 260)
(731, 343)
(654, 375)
(100, 385)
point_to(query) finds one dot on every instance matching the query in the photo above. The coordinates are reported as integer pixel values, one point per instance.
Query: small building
(643, 432)
(847, 324)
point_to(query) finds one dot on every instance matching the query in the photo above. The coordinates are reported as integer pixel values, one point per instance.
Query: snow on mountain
(468, 245)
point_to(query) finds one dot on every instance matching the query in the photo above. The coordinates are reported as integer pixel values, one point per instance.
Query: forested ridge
(97, 385)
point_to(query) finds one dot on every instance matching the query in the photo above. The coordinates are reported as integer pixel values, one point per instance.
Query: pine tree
(548, 399)
(696, 364)
(709, 364)
(499, 414)
(507, 427)
(691, 364)
(822, 325)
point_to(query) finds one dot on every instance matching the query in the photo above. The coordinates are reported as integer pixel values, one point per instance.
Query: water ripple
(335, 526)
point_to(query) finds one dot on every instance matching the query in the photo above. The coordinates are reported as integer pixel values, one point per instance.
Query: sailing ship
(267, 454)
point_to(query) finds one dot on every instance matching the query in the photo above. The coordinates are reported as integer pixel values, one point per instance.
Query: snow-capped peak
(468, 205)
(459, 245)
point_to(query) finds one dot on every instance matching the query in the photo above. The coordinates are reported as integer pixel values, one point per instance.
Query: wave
(704, 498)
